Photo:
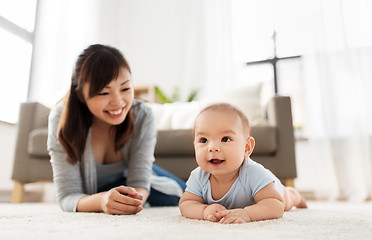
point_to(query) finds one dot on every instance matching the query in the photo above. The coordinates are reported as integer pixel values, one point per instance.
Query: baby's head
(222, 138)
(226, 108)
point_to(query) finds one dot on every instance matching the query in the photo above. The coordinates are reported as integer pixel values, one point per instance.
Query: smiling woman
(101, 141)
(111, 105)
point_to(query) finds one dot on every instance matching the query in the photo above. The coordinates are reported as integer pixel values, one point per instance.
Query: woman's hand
(211, 212)
(122, 200)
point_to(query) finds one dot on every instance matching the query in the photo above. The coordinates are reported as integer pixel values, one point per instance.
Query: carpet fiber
(322, 220)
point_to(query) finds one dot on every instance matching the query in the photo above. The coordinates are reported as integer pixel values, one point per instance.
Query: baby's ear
(249, 146)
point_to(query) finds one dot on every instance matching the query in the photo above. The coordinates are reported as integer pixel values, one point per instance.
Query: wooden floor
(34, 193)
(29, 196)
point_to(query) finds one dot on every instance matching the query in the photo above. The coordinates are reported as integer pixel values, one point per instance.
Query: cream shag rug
(322, 220)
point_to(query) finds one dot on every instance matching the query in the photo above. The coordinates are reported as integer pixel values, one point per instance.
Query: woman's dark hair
(98, 65)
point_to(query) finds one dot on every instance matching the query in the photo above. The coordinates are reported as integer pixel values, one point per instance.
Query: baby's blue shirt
(252, 178)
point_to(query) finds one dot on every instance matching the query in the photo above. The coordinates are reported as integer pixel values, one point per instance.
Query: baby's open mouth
(216, 161)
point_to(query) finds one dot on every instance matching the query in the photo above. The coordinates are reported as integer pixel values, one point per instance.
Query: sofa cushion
(246, 98)
(175, 143)
(181, 115)
(177, 115)
(37, 142)
(180, 142)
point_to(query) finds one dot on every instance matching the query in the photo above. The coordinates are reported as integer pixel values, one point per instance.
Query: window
(269, 39)
(16, 34)
(334, 40)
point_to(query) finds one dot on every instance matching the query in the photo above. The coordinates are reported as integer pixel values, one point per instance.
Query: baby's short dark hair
(229, 108)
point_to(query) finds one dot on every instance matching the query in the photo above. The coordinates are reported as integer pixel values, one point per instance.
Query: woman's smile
(115, 113)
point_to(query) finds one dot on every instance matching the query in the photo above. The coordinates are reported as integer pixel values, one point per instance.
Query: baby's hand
(238, 215)
(211, 212)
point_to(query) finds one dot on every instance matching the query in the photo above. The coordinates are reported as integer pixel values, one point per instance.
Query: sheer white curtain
(219, 68)
(335, 40)
(184, 43)
(63, 29)
(338, 85)
(208, 49)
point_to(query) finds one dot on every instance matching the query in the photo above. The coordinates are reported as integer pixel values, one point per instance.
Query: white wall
(151, 35)
(62, 30)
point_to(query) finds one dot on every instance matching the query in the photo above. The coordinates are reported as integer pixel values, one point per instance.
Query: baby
(229, 187)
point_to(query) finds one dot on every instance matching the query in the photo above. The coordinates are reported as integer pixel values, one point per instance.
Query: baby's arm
(193, 206)
(269, 205)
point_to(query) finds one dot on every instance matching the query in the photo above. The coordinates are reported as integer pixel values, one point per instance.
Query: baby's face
(220, 143)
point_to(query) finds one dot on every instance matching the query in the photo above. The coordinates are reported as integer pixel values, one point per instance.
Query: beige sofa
(275, 146)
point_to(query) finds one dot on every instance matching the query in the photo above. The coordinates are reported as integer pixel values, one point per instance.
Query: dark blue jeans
(155, 198)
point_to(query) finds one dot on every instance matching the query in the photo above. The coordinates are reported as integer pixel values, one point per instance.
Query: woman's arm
(118, 200)
(66, 177)
(140, 149)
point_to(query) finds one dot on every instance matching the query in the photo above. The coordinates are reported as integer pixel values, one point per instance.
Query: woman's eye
(102, 93)
(225, 139)
(203, 140)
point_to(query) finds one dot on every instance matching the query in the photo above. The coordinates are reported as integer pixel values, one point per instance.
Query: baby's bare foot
(302, 203)
(294, 199)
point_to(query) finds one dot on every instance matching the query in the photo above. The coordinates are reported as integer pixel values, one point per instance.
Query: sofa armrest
(32, 115)
(279, 114)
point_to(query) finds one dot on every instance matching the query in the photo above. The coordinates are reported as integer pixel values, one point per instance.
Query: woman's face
(112, 104)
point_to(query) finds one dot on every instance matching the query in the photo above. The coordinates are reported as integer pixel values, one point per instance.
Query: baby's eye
(125, 89)
(203, 140)
(225, 139)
